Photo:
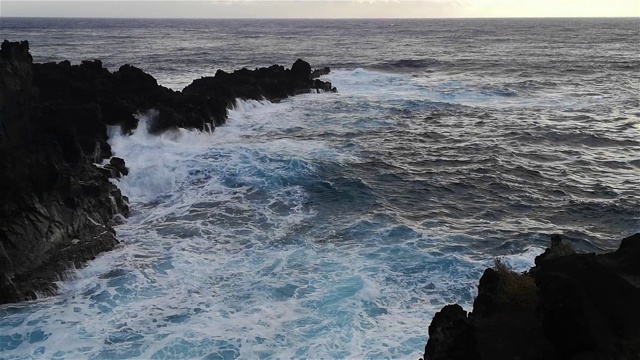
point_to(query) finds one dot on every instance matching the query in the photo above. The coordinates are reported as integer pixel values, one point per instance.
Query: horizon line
(328, 18)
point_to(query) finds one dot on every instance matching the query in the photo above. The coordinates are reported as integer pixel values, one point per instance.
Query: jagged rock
(118, 164)
(16, 92)
(625, 259)
(301, 69)
(56, 205)
(116, 168)
(320, 72)
(201, 105)
(586, 308)
(505, 326)
(451, 336)
(486, 303)
(557, 248)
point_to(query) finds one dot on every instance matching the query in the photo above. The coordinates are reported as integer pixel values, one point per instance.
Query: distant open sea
(336, 225)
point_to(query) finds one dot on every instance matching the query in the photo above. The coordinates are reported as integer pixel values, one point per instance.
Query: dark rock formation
(56, 204)
(117, 96)
(117, 167)
(590, 304)
(586, 306)
(451, 336)
(320, 72)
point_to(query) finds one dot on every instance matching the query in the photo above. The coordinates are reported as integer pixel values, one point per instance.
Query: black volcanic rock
(625, 259)
(451, 336)
(587, 306)
(320, 72)
(117, 167)
(201, 105)
(56, 204)
(301, 69)
(214, 95)
(590, 304)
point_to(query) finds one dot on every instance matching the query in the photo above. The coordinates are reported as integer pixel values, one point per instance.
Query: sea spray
(335, 225)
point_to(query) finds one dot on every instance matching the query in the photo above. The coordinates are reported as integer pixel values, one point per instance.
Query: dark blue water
(335, 225)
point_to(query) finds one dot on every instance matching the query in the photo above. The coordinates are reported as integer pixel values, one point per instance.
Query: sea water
(336, 225)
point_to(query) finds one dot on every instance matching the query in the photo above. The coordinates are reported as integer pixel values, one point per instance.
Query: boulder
(301, 70)
(116, 167)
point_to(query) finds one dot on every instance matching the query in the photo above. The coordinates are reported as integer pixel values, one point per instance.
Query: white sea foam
(442, 90)
(523, 261)
(335, 225)
(230, 253)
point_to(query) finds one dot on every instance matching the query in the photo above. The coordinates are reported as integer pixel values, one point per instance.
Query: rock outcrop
(583, 306)
(75, 91)
(57, 204)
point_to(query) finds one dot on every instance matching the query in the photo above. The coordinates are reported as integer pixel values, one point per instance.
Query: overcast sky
(323, 8)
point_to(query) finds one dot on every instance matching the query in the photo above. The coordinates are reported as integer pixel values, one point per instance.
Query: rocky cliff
(57, 202)
(569, 306)
(56, 206)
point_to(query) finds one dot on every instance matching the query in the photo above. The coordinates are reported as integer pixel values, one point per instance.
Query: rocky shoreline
(58, 204)
(568, 306)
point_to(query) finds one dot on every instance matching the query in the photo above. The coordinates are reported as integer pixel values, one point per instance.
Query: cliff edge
(57, 202)
(57, 206)
(569, 306)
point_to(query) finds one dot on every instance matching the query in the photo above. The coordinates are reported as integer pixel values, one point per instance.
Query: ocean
(336, 225)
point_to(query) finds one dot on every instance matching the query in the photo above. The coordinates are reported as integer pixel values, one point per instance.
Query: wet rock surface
(57, 202)
(585, 307)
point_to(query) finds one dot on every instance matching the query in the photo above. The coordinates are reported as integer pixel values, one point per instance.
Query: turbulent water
(336, 225)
